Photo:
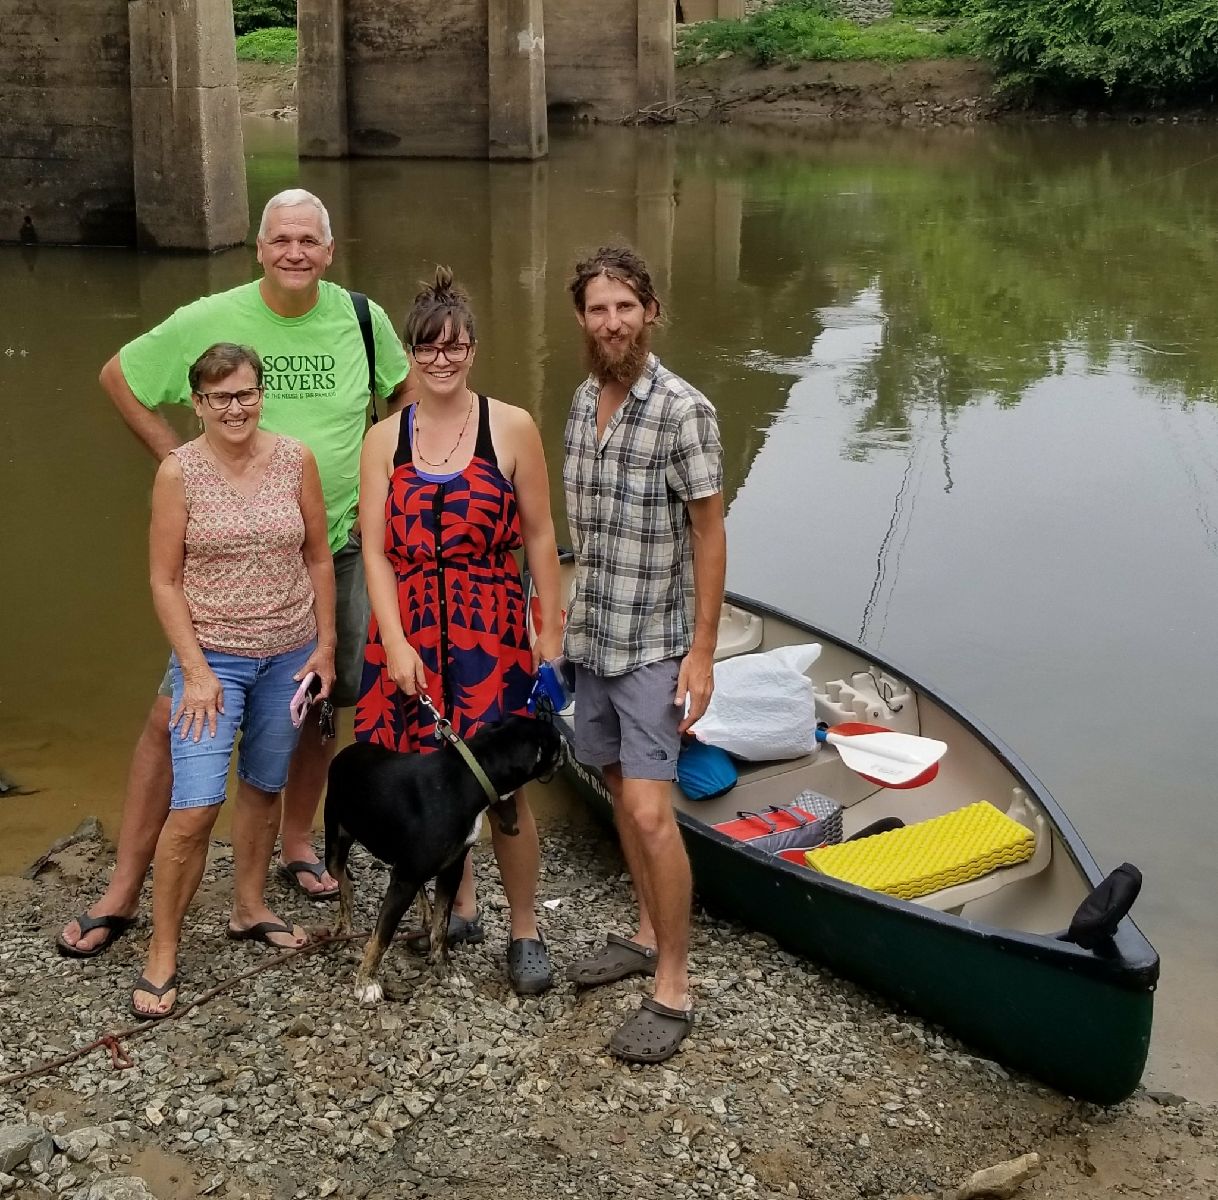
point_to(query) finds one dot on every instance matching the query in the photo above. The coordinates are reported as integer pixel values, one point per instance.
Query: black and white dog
(420, 813)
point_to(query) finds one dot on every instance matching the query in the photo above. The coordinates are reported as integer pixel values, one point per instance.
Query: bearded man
(643, 476)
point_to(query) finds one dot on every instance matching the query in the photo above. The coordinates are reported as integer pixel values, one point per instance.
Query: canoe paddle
(895, 760)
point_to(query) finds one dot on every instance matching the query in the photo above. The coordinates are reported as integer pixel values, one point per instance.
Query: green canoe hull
(1063, 1015)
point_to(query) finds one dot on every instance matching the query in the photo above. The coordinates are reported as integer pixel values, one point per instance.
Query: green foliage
(938, 9)
(249, 15)
(1126, 50)
(808, 29)
(268, 45)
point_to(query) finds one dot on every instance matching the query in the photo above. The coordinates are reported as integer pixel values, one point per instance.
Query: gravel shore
(793, 1083)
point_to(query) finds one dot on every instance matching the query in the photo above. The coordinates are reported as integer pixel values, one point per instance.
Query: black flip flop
(653, 1033)
(288, 872)
(142, 985)
(620, 958)
(115, 925)
(261, 932)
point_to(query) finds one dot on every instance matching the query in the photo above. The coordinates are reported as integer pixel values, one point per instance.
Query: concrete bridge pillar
(710, 10)
(120, 124)
(186, 125)
(608, 58)
(516, 55)
(413, 79)
(321, 78)
(473, 78)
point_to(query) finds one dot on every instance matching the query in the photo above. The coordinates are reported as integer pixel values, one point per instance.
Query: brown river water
(967, 381)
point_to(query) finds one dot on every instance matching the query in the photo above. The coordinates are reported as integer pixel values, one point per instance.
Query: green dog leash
(445, 730)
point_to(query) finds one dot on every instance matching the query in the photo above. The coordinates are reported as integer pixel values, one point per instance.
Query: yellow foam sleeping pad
(940, 853)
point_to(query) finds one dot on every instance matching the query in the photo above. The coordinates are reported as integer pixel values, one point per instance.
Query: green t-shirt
(316, 375)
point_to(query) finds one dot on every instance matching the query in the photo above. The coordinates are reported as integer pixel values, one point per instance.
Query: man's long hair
(615, 262)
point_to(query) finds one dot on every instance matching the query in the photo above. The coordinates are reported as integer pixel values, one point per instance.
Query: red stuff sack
(810, 820)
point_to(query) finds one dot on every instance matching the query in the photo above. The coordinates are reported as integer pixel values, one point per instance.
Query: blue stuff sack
(704, 772)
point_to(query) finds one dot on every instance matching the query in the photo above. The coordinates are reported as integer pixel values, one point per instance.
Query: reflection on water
(966, 384)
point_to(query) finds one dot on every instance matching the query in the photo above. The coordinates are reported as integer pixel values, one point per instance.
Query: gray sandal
(528, 966)
(620, 958)
(652, 1034)
(460, 929)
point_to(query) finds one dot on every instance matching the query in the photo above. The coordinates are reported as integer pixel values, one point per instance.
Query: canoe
(986, 959)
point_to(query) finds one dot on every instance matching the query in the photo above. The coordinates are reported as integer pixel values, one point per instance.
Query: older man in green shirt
(317, 373)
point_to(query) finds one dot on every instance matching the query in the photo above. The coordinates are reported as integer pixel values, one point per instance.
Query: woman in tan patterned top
(243, 584)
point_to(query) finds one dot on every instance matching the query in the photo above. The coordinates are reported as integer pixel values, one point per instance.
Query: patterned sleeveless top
(450, 539)
(243, 572)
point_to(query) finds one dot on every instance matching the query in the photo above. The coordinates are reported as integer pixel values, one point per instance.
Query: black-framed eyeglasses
(454, 352)
(219, 401)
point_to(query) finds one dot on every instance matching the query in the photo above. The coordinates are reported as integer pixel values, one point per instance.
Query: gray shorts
(629, 719)
(351, 616)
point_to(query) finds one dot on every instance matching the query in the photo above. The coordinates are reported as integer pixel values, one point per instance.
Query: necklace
(418, 430)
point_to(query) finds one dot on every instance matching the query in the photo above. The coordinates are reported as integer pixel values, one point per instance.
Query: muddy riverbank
(794, 1083)
(951, 90)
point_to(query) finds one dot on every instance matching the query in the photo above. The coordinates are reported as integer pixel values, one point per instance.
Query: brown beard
(623, 369)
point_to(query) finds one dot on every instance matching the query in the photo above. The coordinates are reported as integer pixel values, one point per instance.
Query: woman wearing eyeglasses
(449, 488)
(243, 584)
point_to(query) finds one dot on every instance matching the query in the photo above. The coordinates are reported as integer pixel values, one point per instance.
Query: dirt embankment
(267, 89)
(935, 92)
(945, 91)
(931, 92)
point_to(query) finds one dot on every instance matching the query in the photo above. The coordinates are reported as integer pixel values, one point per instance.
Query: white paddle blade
(888, 757)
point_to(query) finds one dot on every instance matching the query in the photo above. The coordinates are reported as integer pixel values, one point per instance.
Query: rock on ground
(794, 1083)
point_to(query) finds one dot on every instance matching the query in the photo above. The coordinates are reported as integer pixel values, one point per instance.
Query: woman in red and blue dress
(449, 488)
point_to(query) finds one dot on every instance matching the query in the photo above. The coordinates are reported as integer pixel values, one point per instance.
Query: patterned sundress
(450, 539)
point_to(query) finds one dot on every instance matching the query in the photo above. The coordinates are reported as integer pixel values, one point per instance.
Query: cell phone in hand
(310, 687)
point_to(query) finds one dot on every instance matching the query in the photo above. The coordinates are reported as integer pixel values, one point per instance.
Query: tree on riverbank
(249, 15)
(1081, 51)
(266, 30)
(1131, 51)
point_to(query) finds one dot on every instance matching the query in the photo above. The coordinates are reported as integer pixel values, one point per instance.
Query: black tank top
(484, 448)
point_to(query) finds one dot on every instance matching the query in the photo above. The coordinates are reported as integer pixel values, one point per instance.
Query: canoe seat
(739, 632)
(951, 899)
(942, 854)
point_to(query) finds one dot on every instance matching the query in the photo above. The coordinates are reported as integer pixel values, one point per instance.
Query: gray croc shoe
(619, 959)
(528, 966)
(460, 929)
(653, 1033)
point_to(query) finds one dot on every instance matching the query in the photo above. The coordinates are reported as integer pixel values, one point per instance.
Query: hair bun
(442, 289)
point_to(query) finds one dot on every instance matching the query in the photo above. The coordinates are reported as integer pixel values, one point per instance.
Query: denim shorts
(352, 615)
(257, 693)
(629, 719)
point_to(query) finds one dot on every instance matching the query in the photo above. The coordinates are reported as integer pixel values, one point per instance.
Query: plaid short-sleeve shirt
(626, 495)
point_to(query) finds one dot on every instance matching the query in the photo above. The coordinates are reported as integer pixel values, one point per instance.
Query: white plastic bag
(763, 707)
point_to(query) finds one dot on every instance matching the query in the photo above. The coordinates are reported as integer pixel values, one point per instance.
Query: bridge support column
(657, 67)
(186, 126)
(516, 53)
(321, 75)
(711, 10)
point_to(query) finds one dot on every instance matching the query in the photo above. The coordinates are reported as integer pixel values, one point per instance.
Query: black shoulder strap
(363, 314)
